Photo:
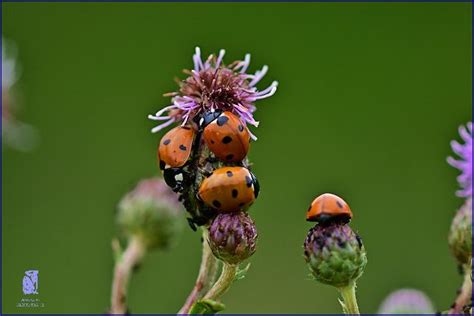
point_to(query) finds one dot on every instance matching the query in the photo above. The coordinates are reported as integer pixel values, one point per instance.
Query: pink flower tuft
(212, 85)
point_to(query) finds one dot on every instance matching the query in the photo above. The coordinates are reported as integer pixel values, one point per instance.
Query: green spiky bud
(233, 237)
(460, 235)
(335, 254)
(152, 213)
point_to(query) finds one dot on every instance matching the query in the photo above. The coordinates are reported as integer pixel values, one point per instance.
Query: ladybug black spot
(229, 157)
(216, 203)
(222, 120)
(241, 204)
(182, 147)
(229, 173)
(167, 141)
(212, 142)
(226, 140)
(235, 193)
(241, 128)
(339, 204)
(248, 181)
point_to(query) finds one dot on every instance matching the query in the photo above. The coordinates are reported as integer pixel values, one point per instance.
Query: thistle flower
(460, 235)
(464, 151)
(406, 301)
(213, 85)
(9, 67)
(16, 134)
(335, 254)
(152, 213)
(233, 237)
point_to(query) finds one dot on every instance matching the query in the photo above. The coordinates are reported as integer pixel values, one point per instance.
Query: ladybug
(225, 135)
(175, 147)
(229, 189)
(327, 208)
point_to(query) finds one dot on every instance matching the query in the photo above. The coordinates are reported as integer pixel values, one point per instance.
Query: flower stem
(464, 294)
(206, 276)
(223, 283)
(123, 267)
(349, 306)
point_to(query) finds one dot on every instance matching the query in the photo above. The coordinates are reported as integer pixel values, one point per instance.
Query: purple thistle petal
(245, 63)
(161, 126)
(464, 151)
(219, 59)
(259, 74)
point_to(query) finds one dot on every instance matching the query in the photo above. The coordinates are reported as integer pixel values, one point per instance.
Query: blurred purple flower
(212, 85)
(406, 301)
(464, 151)
(15, 133)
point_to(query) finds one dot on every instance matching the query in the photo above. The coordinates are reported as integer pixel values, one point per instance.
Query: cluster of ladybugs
(329, 208)
(228, 186)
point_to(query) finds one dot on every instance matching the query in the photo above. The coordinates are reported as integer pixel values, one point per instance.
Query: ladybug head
(207, 117)
(174, 178)
(256, 185)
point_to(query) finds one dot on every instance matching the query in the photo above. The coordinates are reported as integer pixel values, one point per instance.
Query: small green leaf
(344, 308)
(204, 307)
(241, 272)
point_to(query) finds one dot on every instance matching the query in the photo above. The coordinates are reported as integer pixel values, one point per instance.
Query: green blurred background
(370, 96)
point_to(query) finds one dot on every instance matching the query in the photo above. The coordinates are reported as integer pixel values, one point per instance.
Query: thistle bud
(335, 254)
(407, 301)
(152, 213)
(233, 237)
(460, 235)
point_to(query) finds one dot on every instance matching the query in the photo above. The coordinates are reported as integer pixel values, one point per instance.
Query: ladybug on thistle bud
(225, 135)
(229, 189)
(328, 208)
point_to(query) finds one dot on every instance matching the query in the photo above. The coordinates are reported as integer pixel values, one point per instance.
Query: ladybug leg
(207, 170)
(191, 224)
(212, 159)
(198, 197)
(207, 174)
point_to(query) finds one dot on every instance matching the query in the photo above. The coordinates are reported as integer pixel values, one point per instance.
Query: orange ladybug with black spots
(229, 189)
(175, 147)
(226, 136)
(328, 208)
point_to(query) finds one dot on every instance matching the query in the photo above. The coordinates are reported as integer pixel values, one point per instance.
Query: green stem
(465, 294)
(123, 268)
(223, 283)
(206, 276)
(348, 294)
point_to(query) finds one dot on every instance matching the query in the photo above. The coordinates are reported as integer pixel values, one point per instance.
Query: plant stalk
(349, 297)
(464, 295)
(206, 276)
(123, 267)
(223, 283)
